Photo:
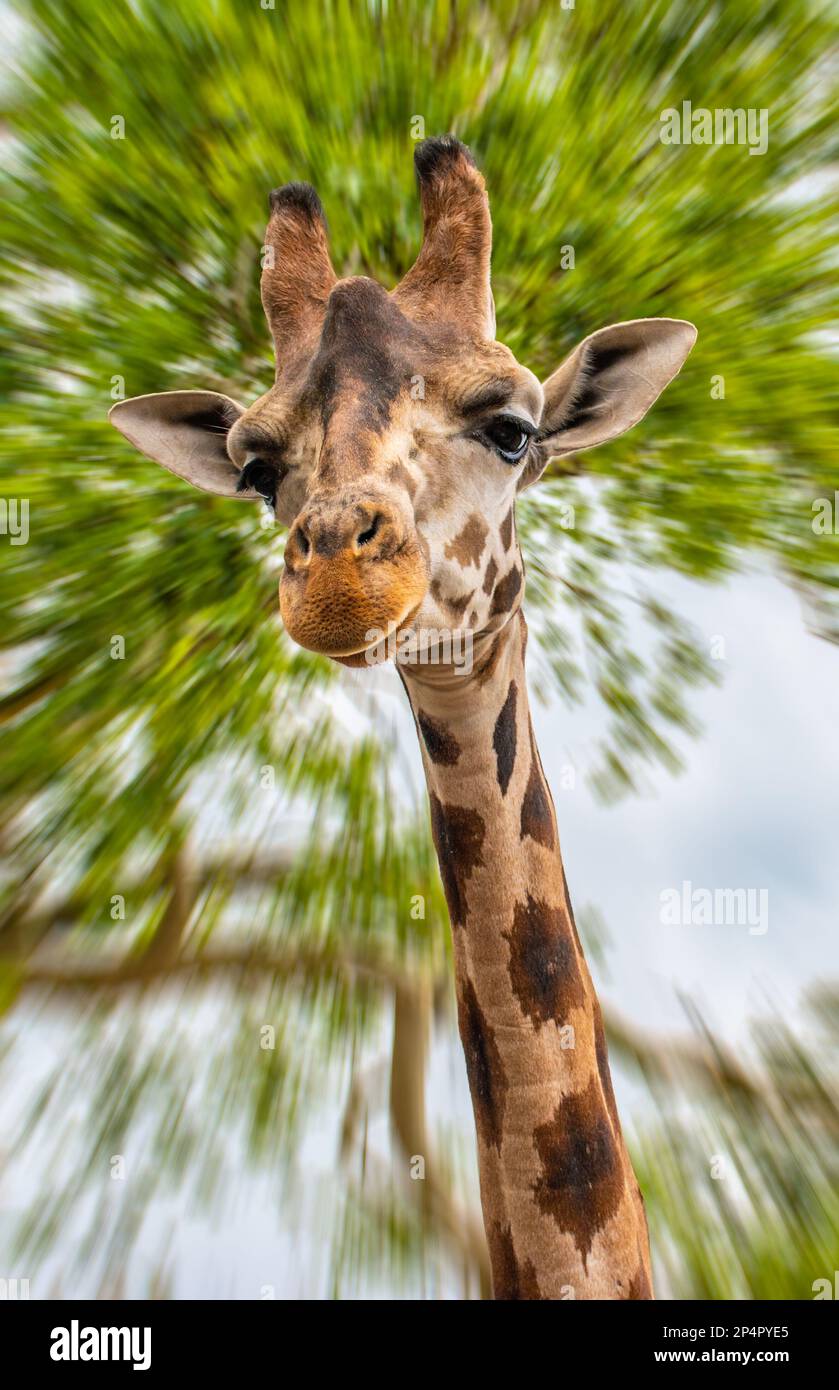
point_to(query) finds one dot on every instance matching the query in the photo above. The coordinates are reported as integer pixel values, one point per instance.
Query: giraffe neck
(562, 1209)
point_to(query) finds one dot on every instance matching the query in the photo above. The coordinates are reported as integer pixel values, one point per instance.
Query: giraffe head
(398, 431)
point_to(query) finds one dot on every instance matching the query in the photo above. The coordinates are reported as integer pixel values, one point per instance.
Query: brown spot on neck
(506, 592)
(441, 744)
(489, 577)
(458, 835)
(544, 966)
(582, 1181)
(510, 1280)
(484, 1067)
(504, 739)
(536, 809)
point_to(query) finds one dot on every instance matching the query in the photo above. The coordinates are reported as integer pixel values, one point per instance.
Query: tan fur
(297, 275)
(450, 278)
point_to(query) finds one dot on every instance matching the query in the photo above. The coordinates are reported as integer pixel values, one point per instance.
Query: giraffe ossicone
(400, 509)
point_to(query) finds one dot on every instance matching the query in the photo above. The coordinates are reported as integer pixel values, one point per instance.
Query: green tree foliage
(141, 142)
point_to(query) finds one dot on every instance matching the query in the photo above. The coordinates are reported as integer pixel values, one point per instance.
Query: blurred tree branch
(412, 1010)
(663, 1061)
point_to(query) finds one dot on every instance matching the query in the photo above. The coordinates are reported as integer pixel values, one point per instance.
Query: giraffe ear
(186, 431)
(608, 384)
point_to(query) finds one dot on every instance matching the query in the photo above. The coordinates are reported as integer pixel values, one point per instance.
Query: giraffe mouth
(377, 652)
(334, 610)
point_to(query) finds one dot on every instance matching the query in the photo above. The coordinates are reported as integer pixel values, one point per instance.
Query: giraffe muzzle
(354, 572)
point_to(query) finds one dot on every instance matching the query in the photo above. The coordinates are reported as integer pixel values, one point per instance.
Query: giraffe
(392, 445)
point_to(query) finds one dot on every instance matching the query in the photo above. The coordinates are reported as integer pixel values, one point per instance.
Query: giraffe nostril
(369, 534)
(303, 541)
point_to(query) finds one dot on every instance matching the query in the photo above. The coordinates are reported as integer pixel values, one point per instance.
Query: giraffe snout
(354, 571)
(371, 530)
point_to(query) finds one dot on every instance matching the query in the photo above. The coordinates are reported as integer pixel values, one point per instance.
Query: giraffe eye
(261, 477)
(508, 437)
